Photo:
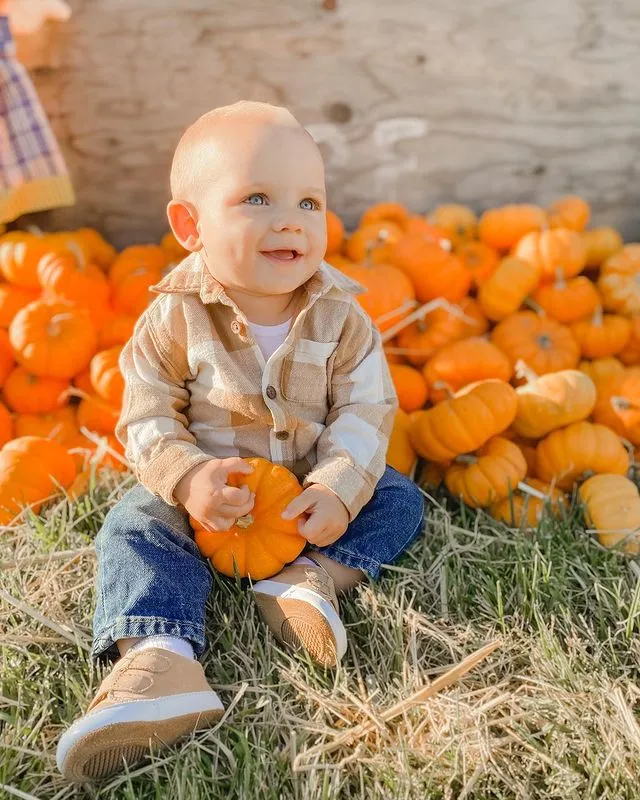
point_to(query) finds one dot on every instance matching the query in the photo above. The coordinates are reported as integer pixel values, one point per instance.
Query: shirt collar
(191, 276)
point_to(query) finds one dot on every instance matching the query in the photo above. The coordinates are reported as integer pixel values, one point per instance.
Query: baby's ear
(184, 225)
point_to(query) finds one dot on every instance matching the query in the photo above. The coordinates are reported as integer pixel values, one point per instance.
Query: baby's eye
(308, 204)
(257, 199)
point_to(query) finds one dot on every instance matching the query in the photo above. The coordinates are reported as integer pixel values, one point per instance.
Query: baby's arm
(153, 427)
(353, 447)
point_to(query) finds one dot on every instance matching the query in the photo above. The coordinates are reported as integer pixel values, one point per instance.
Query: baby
(254, 347)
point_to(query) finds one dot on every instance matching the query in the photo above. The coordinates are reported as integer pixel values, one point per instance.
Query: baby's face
(261, 211)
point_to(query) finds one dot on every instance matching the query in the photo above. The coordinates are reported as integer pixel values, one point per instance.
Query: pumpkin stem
(245, 522)
(406, 306)
(597, 318)
(560, 279)
(421, 312)
(445, 386)
(528, 301)
(34, 230)
(529, 490)
(53, 328)
(78, 254)
(466, 458)
(619, 403)
(523, 370)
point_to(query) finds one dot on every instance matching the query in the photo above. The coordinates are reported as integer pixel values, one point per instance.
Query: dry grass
(553, 713)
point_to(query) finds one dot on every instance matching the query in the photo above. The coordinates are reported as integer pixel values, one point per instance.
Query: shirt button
(235, 326)
(282, 435)
(271, 392)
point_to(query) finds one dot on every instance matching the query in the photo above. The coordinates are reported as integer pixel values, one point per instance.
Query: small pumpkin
(526, 506)
(600, 244)
(434, 272)
(68, 276)
(440, 327)
(373, 243)
(464, 362)
(106, 379)
(506, 290)
(488, 476)
(335, 233)
(6, 425)
(19, 258)
(400, 452)
(95, 414)
(619, 281)
(567, 301)
(54, 339)
(117, 330)
(82, 381)
(479, 259)
(543, 344)
(601, 369)
(459, 222)
(503, 227)
(553, 250)
(601, 335)
(612, 507)
(261, 543)
(464, 422)
(395, 213)
(12, 299)
(59, 425)
(618, 404)
(570, 211)
(27, 393)
(577, 451)
(630, 353)
(410, 385)
(552, 401)
(7, 361)
(390, 295)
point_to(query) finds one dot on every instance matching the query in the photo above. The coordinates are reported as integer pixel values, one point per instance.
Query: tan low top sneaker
(300, 606)
(150, 699)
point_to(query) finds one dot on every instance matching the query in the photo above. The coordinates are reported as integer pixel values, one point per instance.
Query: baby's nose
(289, 223)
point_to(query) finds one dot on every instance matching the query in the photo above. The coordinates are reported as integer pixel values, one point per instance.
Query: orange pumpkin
(261, 543)
(12, 299)
(567, 301)
(389, 296)
(385, 212)
(558, 249)
(6, 425)
(82, 381)
(69, 277)
(618, 404)
(582, 448)
(526, 506)
(410, 385)
(480, 259)
(488, 476)
(106, 378)
(400, 452)
(54, 339)
(31, 470)
(570, 211)
(335, 233)
(464, 362)
(503, 227)
(434, 272)
(373, 243)
(600, 244)
(19, 257)
(506, 290)
(440, 327)
(27, 393)
(601, 335)
(459, 222)
(423, 229)
(58, 425)
(601, 369)
(98, 249)
(117, 330)
(619, 281)
(147, 257)
(543, 344)
(630, 354)
(464, 422)
(7, 361)
(96, 415)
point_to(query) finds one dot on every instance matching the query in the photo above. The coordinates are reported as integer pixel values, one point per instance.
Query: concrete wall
(420, 101)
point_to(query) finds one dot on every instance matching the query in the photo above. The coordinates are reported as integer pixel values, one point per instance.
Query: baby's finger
(236, 465)
(220, 524)
(311, 528)
(233, 496)
(298, 505)
(233, 512)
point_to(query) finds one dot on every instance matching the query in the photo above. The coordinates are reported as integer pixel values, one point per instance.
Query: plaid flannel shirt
(197, 386)
(33, 175)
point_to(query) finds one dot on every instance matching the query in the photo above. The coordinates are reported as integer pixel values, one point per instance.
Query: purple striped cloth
(33, 174)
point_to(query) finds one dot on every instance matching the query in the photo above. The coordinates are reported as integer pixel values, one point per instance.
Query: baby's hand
(203, 491)
(326, 516)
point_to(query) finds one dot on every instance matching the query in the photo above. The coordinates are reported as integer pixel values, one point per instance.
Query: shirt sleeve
(351, 451)
(152, 425)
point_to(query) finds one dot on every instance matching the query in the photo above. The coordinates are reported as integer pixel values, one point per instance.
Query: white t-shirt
(269, 337)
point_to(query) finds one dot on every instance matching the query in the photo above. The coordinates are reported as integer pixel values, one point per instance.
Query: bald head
(205, 143)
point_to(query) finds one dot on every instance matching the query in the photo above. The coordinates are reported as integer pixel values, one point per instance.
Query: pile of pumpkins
(68, 303)
(513, 341)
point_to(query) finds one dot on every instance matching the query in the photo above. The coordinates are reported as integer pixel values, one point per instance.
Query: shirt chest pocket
(303, 378)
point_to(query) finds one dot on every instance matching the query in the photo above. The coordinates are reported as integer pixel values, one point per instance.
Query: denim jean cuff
(104, 641)
(349, 559)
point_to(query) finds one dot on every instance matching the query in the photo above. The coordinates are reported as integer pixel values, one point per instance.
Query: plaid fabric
(197, 387)
(33, 175)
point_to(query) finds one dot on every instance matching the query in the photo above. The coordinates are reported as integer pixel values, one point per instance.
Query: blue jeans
(153, 580)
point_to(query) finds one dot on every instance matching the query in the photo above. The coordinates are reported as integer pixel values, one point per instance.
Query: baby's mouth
(282, 255)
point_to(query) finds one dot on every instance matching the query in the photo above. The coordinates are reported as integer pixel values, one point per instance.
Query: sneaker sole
(96, 745)
(302, 619)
